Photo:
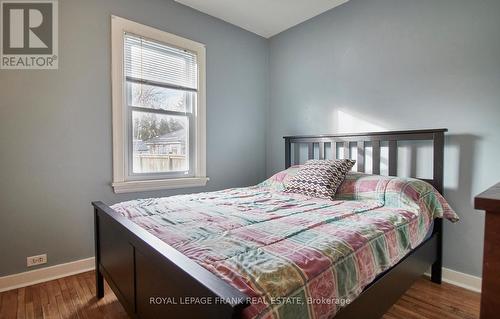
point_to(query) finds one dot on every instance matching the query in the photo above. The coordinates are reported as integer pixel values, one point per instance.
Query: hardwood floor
(70, 297)
(426, 300)
(73, 297)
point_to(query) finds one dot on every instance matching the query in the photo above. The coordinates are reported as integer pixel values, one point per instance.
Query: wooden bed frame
(140, 268)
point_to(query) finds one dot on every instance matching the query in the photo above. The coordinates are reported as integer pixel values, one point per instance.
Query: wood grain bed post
(436, 272)
(288, 153)
(99, 279)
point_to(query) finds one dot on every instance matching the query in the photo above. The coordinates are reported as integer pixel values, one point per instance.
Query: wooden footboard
(152, 279)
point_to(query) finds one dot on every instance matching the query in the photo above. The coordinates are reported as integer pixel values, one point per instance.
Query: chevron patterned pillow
(319, 178)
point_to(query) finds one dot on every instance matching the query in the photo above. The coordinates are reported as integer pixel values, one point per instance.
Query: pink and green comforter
(296, 256)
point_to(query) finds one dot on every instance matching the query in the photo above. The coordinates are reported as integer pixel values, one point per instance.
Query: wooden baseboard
(32, 277)
(461, 279)
(29, 278)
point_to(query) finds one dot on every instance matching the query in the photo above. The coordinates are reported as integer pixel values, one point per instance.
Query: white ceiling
(263, 17)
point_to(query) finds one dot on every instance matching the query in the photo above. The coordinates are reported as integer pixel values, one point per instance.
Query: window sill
(154, 185)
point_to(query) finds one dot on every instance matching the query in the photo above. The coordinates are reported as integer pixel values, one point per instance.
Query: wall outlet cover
(36, 260)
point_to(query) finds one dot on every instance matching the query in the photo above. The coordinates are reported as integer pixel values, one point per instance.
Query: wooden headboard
(360, 140)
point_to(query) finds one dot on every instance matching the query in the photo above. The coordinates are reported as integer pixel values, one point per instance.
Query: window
(158, 109)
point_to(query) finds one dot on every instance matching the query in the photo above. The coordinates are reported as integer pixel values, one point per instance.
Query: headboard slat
(310, 150)
(376, 157)
(347, 150)
(393, 158)
(361, 156)
(321, 150)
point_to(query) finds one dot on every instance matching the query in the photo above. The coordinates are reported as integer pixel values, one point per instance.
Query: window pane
(154, 97)
(160, 143)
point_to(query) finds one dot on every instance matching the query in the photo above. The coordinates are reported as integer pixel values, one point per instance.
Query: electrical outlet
(36, 260)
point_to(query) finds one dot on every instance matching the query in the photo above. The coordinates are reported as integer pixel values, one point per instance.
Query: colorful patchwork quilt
(296, 256)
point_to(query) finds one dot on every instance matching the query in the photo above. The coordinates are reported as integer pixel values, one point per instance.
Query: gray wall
(55, 126)
(400, 64)
(369, 64)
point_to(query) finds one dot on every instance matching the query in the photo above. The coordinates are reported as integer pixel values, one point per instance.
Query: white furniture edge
(151, 185)
(40, 275)
(37, 276)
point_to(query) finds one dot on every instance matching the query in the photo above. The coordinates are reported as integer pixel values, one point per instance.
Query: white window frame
(122, 183)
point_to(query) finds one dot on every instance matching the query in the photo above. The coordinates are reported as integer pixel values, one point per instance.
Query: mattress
(292, 255)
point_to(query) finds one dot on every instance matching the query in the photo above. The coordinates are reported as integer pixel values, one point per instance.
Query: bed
(257, 252)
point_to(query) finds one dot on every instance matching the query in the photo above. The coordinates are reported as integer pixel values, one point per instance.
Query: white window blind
(153, 63)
